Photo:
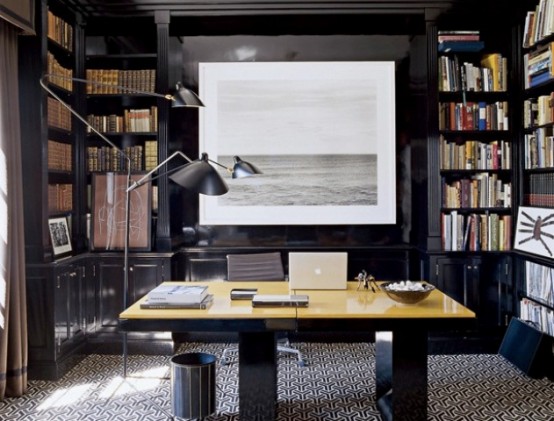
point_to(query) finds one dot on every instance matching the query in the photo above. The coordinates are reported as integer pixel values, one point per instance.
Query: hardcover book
(269, 300)
(178, 294)
(202, 305)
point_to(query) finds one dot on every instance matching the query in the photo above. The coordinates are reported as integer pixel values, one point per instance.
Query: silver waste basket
(193, 385)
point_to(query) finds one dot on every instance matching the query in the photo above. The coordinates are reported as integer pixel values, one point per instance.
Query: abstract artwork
(108, 213)
(535, 231)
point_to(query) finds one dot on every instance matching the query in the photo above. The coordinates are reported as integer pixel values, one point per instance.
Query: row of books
(133, 120)
(55, 68)
(537, 66)
(60, 198)
(540, 190)
(60, 156)
(150, 154)
(109, 79)
(178, 296)
(542, 317)
(58, 116)
(482, 190)
(59, 31)
(475, 155)
(473, 116)
(538, 111)
(490, 76)
(539, 282)
(539, 23)
(539, 149)
(106, 158)
(458, 41)
(475, 232)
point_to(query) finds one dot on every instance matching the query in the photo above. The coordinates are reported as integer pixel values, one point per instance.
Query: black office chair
(258, 267)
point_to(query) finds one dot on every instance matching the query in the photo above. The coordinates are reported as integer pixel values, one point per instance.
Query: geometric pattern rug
(336, 384)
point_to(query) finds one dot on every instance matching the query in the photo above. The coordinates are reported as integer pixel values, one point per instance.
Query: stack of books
(167, 296)
(537, 66)
(459, 41)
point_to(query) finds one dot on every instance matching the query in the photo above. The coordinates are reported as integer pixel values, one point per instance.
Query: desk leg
(257, 376)
(405, 373)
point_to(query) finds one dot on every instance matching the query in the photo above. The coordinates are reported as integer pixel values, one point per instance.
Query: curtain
(13, 309)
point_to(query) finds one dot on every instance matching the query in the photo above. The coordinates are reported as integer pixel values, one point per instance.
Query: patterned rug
(337, 384)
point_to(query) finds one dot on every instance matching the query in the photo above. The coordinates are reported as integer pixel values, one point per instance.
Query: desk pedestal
(257, 376)
(401, 374)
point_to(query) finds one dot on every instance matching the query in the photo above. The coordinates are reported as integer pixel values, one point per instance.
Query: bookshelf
(535, 284)
(128, 119)
(475, 147)
(471, 152)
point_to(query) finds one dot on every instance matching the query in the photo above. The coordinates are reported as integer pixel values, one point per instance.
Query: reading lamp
(198, 175)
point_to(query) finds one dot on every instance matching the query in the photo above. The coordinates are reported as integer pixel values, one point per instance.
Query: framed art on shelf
(60, 236)
(322, 133)
(108, 213)
(535, 231)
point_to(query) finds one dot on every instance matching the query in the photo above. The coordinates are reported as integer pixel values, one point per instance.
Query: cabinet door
(458, 278)
(68, 317)
(144, 274)
(481, 283)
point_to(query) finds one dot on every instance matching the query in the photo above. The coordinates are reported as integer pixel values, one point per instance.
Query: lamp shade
(244, 169)
(201, 177)
(184, 97)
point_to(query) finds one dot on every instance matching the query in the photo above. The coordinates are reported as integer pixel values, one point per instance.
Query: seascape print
(306, 180)
(321, 133)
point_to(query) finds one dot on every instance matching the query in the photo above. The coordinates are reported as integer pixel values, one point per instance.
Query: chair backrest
(255, 267)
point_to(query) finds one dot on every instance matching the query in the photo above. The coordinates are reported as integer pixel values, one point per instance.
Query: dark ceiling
(117, 8)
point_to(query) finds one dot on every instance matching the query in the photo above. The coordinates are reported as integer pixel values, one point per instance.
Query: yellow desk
(257, 340)
(401, 338)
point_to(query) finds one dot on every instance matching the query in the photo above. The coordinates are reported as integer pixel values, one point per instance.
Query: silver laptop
(318, 270)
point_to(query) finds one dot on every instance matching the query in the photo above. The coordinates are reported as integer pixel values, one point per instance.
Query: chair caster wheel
(224, 361)
(302, 364)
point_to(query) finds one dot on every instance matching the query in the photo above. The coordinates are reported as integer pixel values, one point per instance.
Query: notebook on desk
(318, 270)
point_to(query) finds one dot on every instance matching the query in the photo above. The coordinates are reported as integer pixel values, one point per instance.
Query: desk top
(331, 304)
(222, 307)
(363, 304)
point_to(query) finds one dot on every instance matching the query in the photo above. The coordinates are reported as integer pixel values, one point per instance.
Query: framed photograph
(108, 213)
(322, 133)
(535, 231)
(60, 236)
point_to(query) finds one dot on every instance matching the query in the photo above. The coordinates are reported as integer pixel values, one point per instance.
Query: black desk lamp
(198, 175)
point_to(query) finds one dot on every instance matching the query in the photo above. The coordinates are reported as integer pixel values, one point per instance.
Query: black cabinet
(145, 273)
(75, 303)
(482, 283)
(56, 316)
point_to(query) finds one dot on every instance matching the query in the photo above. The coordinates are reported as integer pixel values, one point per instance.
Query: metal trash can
(193, 385)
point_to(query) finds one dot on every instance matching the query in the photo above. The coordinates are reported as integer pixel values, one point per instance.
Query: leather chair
(258, 267)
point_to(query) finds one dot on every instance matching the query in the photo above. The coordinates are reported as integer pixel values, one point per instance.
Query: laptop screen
(318, 270)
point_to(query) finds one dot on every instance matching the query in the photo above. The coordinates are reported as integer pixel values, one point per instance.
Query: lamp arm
(230, 170)
(145, 179)
(122, 88)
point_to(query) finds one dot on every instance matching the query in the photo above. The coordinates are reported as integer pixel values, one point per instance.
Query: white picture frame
(323, 133)
(535, 231)
(59, 236)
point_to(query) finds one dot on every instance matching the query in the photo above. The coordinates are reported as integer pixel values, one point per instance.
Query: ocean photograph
(305, 180)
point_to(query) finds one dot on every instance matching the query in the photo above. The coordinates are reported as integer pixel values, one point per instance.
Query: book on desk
(202, 305)
(178, 294)
(276, 300)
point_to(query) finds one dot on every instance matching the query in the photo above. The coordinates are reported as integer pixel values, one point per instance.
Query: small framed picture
(59, 235)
